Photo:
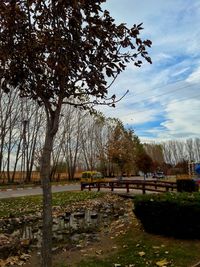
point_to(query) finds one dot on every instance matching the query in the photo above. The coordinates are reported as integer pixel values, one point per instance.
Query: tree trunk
(47, 201)
(51, 130)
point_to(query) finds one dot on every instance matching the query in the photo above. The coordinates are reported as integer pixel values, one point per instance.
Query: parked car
(158, 175)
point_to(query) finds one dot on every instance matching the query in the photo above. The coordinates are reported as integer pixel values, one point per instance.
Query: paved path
(37, 190)
(73, 187)
(57, 188)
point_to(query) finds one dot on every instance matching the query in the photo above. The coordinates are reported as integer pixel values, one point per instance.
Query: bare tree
(181, 153)
(168, 153)
(9, 138)
(196, 144)
(73, 131)
(177, 151)
(33, 124)
(88, 141)
(67, 140)
(190, 149)
(174, 151)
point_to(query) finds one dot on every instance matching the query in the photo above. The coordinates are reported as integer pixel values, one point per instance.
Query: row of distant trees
(173, 156)
(84, 142)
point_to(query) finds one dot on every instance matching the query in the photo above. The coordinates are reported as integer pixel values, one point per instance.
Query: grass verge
(139, 249)
(16, 207)
(36, 184)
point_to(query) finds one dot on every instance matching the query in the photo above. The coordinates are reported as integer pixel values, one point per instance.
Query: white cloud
(182, 119)
(170, 86)
(194, 77)
(131, 116)
(180, 72)
(140, 117)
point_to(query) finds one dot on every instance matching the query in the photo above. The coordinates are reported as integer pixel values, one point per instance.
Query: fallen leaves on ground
(141, 253)
(15, 260)
(162, 263)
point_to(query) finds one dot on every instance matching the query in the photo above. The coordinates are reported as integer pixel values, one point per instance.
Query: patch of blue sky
(145, 127)
(188, 12)
(158, 91)
(139, 130)
(172, 60)
(180, 76)
(177, 68)
(146, 133)
(152, 123)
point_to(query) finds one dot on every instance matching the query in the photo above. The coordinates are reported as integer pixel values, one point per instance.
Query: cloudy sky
(164, 98)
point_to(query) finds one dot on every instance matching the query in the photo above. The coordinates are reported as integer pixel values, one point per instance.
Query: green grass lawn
(30, 204)
(140, 249)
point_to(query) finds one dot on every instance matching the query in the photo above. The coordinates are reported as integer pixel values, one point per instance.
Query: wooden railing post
(127, 187)
(155, 184)
(143, 188)
(112, 187)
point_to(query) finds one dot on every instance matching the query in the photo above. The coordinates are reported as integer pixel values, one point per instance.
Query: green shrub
(187, 185)
(175, 215)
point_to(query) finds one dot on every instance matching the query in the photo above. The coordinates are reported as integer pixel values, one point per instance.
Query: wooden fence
(144, 185)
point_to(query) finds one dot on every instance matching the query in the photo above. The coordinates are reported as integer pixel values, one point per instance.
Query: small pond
(68, 228)
(76, 228)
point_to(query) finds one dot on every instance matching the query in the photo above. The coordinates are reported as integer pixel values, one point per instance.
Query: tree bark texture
(46, 253)
(51, 130)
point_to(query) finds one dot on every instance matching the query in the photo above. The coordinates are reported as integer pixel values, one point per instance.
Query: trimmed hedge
(168, 214)
(187, 185)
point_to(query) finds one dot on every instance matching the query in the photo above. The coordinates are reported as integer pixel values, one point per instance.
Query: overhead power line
(160, 87)
(174, 101)
(163, 94)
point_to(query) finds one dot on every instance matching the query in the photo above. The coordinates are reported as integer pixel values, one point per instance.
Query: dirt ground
(73, 256)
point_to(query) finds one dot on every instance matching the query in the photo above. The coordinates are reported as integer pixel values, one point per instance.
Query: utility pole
(191, 167)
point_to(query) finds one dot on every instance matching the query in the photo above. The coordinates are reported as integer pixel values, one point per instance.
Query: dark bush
(175, 215)
(187, 185)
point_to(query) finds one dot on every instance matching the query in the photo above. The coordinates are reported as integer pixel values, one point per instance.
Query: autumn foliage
(63, 51)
